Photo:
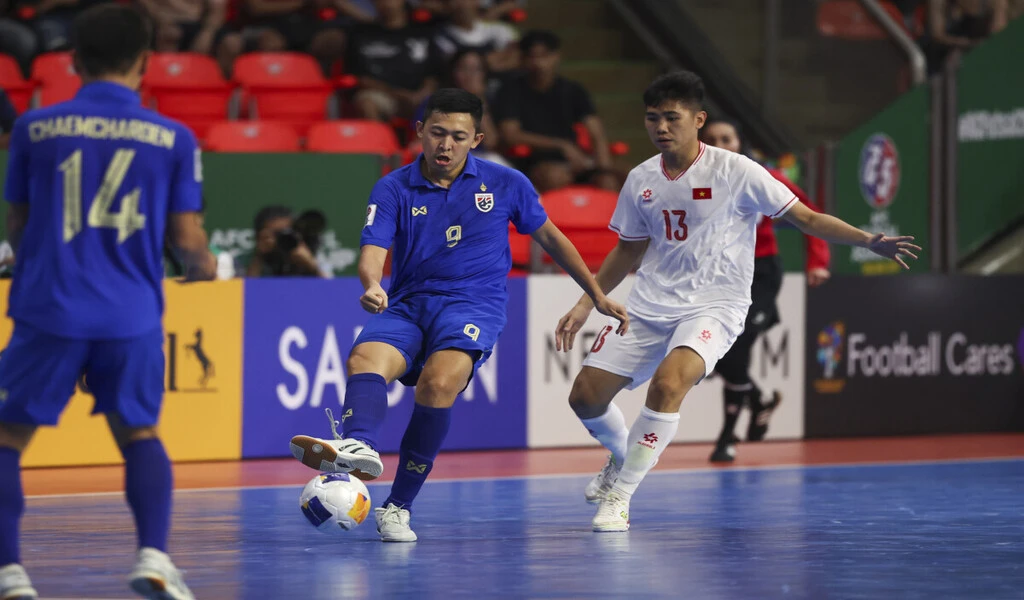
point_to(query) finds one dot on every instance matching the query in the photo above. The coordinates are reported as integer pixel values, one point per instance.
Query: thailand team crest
(484, 202)
(879, 171)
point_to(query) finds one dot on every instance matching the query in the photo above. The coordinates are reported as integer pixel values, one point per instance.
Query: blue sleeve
(187, 178)
(527, 213)
(18, 165)
(381, 215)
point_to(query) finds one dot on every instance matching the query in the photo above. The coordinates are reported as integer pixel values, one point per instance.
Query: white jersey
(702, 225)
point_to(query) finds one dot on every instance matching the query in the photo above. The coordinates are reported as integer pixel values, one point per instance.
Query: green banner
(882, 182)
(990, 133)
(236, 186)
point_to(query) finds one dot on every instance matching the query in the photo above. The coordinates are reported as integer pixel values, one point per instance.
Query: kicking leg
(591, 400)
(444, 376)
(14, 582)
(651, 433)
(371, 367)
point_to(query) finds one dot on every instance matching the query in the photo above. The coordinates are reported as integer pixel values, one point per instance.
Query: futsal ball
(332, 500)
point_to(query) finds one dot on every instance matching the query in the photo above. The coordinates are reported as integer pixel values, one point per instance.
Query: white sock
(610, 430)
(650, 435)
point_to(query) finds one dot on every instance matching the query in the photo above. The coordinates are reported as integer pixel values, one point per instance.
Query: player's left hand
(570, 325)
(896, 248)
(817, 276)
(610, 308)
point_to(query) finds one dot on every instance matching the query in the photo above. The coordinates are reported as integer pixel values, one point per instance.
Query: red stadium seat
(188, 87)
(18, 89)
(284, 87)
(55, 73)
(583, 213)
(353, 136)
(520, 246)
(252, 136)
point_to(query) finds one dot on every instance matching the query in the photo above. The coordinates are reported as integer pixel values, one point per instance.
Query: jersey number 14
(126, 221)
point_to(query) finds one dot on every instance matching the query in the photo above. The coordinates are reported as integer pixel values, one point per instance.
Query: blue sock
(12, 504)
(148, 484)
(420, 445)
(366, 403)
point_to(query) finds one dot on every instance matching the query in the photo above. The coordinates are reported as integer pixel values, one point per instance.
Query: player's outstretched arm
(619, 262)
(565, 254)
(838, 231)
(189, 238)
(371, 270)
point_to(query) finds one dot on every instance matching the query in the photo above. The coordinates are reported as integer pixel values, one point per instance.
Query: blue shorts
(420, 325)
(39, 371)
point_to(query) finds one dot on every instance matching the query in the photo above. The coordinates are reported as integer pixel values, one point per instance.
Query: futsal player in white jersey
(691, 213)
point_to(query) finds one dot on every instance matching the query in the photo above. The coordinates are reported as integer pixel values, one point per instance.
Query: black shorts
(764, 311)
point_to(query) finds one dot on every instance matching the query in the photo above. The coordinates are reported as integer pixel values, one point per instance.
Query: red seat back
(353, 136)
(252, 136)
(18, 89)
(583, 214)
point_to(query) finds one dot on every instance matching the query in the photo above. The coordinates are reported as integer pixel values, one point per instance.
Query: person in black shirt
(7, 116)
(539, 109)
(398, 63)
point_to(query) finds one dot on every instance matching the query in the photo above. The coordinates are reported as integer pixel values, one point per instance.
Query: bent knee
(439, 389)
(588, 399)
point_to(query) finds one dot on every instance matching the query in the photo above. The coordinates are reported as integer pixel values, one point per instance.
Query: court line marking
(542, 476)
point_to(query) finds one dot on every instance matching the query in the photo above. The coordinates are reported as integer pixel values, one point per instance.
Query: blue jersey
(99, 173)
(451, 241)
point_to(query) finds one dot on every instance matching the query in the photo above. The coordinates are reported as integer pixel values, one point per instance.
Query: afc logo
(879, 171)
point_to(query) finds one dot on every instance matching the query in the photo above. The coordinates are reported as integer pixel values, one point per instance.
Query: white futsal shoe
(613, 513)
(393, 524)
(602, 483)
(155, 577)
(15, 584)
(338, 455)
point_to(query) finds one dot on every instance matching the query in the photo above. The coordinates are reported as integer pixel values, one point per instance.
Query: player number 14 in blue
(126, 221)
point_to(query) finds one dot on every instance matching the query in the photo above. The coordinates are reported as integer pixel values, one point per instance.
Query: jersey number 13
(126, 221)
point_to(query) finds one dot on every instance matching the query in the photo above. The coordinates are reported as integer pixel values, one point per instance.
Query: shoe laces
(391, 516)
(609, 471)
(334, 424)
(613, 504)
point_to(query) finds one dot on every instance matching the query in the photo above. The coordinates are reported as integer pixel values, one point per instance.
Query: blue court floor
(932, 530)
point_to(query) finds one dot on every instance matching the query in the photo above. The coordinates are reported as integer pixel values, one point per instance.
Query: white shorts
(649, 340)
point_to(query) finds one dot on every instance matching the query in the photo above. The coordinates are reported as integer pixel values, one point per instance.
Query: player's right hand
(375, 300)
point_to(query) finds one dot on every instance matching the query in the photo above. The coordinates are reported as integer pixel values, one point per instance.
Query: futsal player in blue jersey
(93, 185)
(446, 217)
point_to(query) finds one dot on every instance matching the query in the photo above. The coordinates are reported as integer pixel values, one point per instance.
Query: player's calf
(760, 413)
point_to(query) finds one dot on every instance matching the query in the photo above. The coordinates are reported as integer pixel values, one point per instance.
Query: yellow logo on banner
(201, 417)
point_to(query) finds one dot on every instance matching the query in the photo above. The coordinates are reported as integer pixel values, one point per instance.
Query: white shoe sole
(320, 456)
(610, 527)
(152, 587)
(396, 539)
(593, 499)
(22, 593)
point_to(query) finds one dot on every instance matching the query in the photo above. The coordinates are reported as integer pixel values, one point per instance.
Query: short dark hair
(681, 86)
(455, 100)
(269, 213)
(108, 39)
(539, 37)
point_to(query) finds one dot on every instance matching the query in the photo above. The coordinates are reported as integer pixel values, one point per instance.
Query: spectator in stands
(281, 250)
(313, 26)
(960, 25)
(186, 25)
(491, 10)
(16, 39)
(7, 117)
(466, 30)
(539, 109)
(398, 63)
(51, 20)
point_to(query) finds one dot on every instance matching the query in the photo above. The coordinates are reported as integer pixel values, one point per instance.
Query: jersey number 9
(126, 221)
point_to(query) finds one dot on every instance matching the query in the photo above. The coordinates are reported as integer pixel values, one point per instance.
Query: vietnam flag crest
(701, 193)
